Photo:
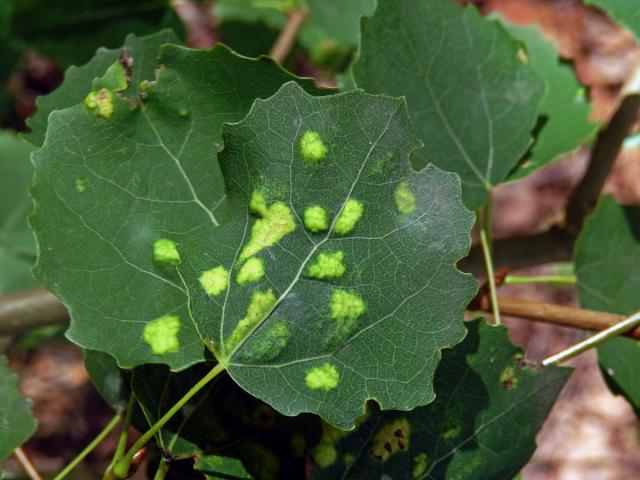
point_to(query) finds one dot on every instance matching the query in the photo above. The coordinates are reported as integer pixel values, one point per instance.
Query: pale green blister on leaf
(348, 217)
(162, 334)
(324, 377)
(315, 219)
(215, 280)
(251, 271)
(328, 265)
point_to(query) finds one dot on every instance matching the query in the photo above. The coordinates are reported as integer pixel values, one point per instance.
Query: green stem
(94, 443)
(163, 469)
(521, 279)
(485, 224)
(121, 469)
(618, 329)
(124, 432)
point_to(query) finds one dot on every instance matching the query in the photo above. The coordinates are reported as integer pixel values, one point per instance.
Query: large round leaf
(471, 97)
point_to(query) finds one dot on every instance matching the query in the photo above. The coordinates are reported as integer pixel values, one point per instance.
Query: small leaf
(16, 419)
(70, 31)
(107, 189)
(78, 80)
(472, 99)
(625, 12)
(17, 247)
(489, 406)
(607, 265)
(214, 465)
(564, 110)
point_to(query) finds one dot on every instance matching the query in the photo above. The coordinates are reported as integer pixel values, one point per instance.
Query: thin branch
(287, 38)
(626, 325)
(607, 147)
(26, 464)
(554, 314)
(28, 309)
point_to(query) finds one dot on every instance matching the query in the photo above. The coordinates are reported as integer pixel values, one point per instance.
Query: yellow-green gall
(100, 103)
(165, 252)
(405, 200)
(312, 147)
(315, 219)
(162, 334)
(509, 379)
(258, 204)
(259, 307)
(451, 427)
(325, 377)
(349, 216)
(81, 184)
(214, 281)
(420, 464)
(251, 271)
(392, 438)
(277, 222)
(346, 304)
(328, 265)
(268, 345)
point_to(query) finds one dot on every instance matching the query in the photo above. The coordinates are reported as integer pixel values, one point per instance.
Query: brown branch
(607, 147)
(554, 245)
(287, 38)
(28, 309)
(555, 314)
(27, 464)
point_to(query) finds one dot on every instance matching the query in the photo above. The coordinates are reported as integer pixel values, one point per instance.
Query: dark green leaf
(472, 99)
(107, 188)
(109, 380)
(78, 80)
(17, 247)
(489, 406)
(330, 33)
(607, 263)
(625, 12)
(70, 31)
(213, 465)
(223, 419)
(15, 413)
(564, 110)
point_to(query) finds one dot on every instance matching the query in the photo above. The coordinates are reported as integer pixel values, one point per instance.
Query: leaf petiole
(89, 448)
(484, 227)
(528, 279)
(121, 468)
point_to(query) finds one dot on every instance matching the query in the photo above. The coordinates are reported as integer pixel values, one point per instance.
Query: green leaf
(490, 404)
(16, 419)
(70, 31)
(108, 185)
(214, 465)
(472, 99)
(343, 249)
(564, 110)
(17, 247)
(78, 80)
(110, 381)
(223, 419)
(625, 12)
(330, 32)
(607, 265)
